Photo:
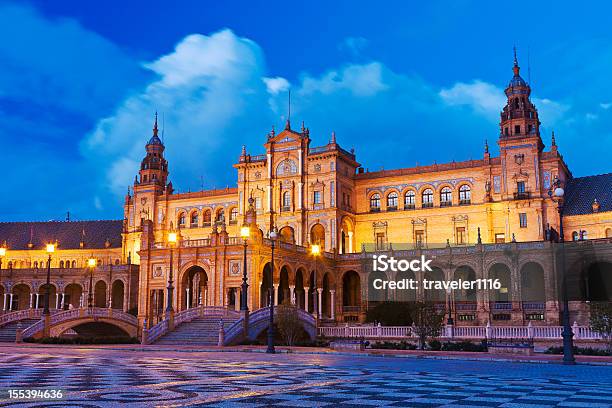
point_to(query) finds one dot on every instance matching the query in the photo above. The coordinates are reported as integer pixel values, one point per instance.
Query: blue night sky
(401, 82)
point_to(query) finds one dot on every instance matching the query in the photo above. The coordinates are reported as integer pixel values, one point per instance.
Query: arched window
(220, 217)
(409, 200)
(181, 220)
(608, 232)
(392, 201)
(74, 264)
(286, 168)
(233, 216)
(286, 201)
(575, 236)
(375, 202)
(206, 217)
(61, 265)
(193, 220)
(427, 198)
(465, 195)
(36, 264)
(446, 197)
(583, 235)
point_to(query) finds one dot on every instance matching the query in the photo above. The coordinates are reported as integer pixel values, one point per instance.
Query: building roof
(68, 234)
(580, 192)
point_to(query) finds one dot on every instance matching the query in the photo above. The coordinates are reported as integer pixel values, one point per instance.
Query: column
(37, 296)
(292, 294)
(350, 242)
(275, 294)
(300, 162)
(188, 299)
(4, 302)
(125, 301)
(269, 194)
(62, 303)
(300, 195)
(81, 301)
(333, 304)
(269, 156)
(206, 295)
(306, 296)
(31, 299)
(237, 299)
(57, 300)
(11, 303)
(320, 304)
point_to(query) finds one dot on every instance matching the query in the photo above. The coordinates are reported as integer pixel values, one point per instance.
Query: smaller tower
(154, 167)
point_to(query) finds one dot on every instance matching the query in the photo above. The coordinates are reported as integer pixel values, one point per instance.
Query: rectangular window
(316, 198)
(500, 238)
(506, 131)
(520, 187)
(517, 129)
(461, 235)
(523, 220)
(258, 203)
(419, 237)
(380, 240)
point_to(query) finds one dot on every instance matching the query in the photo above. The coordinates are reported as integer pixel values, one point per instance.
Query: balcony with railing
(446, 203)
(427, 205)
(522, 195)
(465, 202)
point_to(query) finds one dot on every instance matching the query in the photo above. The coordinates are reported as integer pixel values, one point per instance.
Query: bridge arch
(193, 288)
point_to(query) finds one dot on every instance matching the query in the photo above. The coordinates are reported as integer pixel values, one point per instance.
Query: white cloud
(483, 97)
(605, 106)
(358, 79)
(353, 45)
(276, 85)
(207, 89)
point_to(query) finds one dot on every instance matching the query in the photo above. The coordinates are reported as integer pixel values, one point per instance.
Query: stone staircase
(201, 331)
(8, 331)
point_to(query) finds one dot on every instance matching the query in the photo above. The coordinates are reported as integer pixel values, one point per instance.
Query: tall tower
(519, 118)
(154, 168)
(519, 141)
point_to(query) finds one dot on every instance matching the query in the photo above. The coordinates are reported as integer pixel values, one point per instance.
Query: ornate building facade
(491, 217)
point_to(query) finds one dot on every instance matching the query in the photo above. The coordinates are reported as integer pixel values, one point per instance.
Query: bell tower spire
(154, 167)
(519, 118)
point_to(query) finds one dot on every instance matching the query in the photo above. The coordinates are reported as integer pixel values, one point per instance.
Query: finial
(288, 125)
(486, 146)
(553, 141)
(243, 151)
(303, 128)
(479, 237)
(155, 125)
(333, 139)
(272, 132)
(516, 67)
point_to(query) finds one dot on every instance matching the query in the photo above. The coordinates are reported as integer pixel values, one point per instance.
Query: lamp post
(270, 349)
(172, 238)
(244, 233)
(91, 264)
(315, 250)
(567, 334)
(50, 250)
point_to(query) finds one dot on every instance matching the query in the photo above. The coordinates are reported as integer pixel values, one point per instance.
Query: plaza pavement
(131, 376)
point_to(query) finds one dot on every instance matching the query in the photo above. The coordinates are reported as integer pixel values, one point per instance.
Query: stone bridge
(62, 321)
(258, 321)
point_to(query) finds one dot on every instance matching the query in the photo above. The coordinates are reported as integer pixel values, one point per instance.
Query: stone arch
(206, 217)
(117, 294)
(502, 272)
(395, 197)
(375, 199)
(351, 289)
(74, 293)
(283, 285)
(193, 287)
(100, 288)
(300, 291)
(407, 294)
(181, 219)
(347, 235)
(266, 280)
(596, 281)
(377, 295)
(608, 233)
(533, 288)
(465, 273)
(317, 235)
(220, 215)
(194, 218)
(434, 295)
(287, 234)
(21, 297)
(327, 285)
(42, 292)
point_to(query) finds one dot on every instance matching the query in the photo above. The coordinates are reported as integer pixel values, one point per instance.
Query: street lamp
(91, 264)
(315, 250)
(244, 233)
(172, 238)
(270, 349)
(567, 334)
(50, 250)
